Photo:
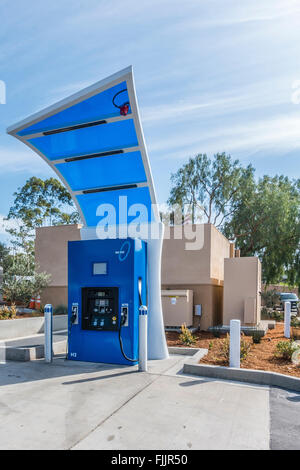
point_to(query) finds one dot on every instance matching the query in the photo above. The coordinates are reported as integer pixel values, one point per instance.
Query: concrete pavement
(73, 405)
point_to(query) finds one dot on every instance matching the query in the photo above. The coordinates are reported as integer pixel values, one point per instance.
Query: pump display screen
(99, 268)
(100, 308)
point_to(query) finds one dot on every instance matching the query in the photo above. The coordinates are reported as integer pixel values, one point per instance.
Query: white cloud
(180, 110)
(280, 133)
(13, 160)
(7, 224)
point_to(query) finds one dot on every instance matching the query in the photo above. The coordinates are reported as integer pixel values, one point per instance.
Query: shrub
(295, 328)
(295, 332)
(245, 348)
(61, 310)
(7, 313)
(277, 316)
(285, 349)
(270, 298)
(295, 322)
(256, 336)
(216, 332)
(265, 314)
(186, 336)
(19, 284)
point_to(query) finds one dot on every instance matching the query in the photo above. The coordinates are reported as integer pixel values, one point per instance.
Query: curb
(23, 354)
(20, 327)
(253, 376)
(184, 351)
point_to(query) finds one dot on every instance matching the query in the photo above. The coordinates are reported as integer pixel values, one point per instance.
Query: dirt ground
(260, 357)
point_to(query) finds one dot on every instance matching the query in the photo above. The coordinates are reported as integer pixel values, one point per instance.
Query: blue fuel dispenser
(93, 140)
(106, 286)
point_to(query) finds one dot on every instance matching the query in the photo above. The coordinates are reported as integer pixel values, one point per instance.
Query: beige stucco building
(51, 255)
(201, 270)
(206, 268)
(242, 288)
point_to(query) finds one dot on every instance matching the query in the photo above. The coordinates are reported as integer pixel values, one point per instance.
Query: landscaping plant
(245, 348)
(270, 298)
(7, 313)
(285, 349)
(256, 337)
(216, 332)
(21, 281)
(186, 336)
(295, 328)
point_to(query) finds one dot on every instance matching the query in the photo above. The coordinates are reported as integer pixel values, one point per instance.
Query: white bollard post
(48, 332)
(287, 319)
(143, 348)
(235, 344)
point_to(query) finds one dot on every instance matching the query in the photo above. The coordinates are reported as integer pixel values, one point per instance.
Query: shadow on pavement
(295, 398)
(20, 372)
(194, 382)
(102, 377)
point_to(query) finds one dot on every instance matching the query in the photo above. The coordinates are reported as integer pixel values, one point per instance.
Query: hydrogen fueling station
(94, 142)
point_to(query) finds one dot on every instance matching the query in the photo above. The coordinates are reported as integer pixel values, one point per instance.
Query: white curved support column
(157, 346)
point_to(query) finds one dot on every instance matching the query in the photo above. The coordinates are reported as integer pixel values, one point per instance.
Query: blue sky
(210, 76)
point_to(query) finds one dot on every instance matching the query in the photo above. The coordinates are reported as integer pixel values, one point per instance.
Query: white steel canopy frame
(100, 155)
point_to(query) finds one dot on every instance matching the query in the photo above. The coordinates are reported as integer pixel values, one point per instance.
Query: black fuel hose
(122, 349)
(123, 321)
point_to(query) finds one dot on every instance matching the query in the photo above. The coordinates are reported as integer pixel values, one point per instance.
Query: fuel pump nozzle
(124, 315)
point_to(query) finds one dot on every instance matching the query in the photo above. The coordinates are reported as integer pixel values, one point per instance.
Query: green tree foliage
(209, 185)
(4, 253)
(261, 216)
(21, 280)
(39, 202)
(43, 202)
(266, 222)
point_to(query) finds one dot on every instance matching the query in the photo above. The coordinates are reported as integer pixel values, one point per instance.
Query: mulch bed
(260, 357)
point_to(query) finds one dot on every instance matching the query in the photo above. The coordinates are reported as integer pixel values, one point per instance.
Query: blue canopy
(94, 142)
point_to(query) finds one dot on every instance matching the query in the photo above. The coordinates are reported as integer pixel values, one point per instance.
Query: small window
(99, 268)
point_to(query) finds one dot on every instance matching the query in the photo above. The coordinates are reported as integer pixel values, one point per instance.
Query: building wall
(186, 266)
(51, 255)
(204, 265)
(55, 295)
(242, 282)
(201, 270)
(220, 249)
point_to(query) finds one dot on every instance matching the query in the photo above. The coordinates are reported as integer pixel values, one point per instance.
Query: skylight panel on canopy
(94, 142)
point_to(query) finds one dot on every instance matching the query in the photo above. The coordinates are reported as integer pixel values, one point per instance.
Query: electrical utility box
(107, 282)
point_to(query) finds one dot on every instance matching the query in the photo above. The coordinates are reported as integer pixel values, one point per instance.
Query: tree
(4, 252)
(266, 222)
(39, 202)
(209, 185)
(43, 202)
(21, 281)
(262, 217)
